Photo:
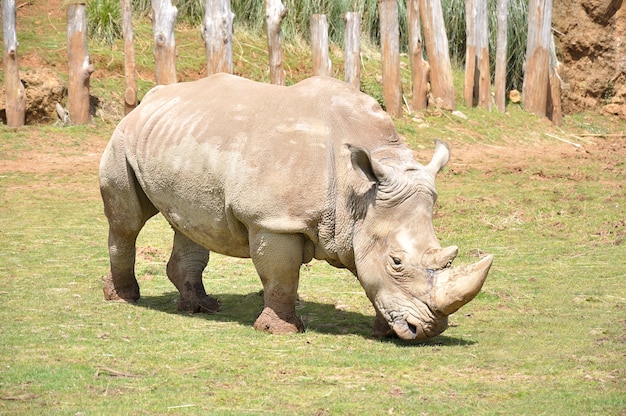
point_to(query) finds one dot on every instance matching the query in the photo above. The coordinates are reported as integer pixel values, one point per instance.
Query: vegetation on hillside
(104, 23)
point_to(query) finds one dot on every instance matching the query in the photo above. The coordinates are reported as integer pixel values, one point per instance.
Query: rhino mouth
(414, 321)
(405, 329)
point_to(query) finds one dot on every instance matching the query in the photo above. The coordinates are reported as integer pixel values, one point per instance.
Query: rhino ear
(365, 167)
(440, 158)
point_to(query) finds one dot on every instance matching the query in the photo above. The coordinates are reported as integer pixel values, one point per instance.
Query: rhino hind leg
(277, 259)
(184, 269)
(120, 283)
(127, 209)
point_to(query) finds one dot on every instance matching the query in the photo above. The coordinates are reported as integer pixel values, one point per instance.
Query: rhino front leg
(184, 269)
(381, 328)
(277, 258)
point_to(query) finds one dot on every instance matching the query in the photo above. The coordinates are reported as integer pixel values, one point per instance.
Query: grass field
(546, 336)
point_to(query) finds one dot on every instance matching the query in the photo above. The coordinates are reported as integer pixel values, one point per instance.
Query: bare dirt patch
(55, 152)
(34, 162)
(610, 153)
(591, 44)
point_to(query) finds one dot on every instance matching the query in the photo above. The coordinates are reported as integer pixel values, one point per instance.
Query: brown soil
(56, 153)
(591, 43)
(609, 153)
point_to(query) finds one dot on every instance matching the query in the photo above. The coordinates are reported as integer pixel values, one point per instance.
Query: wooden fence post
(419, 67)
(470, 53)
(477, 89)
(80, 69)
(15, 93)
(352, 46)
(275, 12)
(163, 21)
(390, 45)
(536, 78)
(130, 76)
(322, 65)
(553, 110)
(217, 32)
(501, 56)
(441, 84)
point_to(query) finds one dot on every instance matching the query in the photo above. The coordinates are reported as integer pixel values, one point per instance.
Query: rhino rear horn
(438, 258)
(440, 158)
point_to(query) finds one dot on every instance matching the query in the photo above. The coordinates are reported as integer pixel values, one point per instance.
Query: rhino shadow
(318, 317)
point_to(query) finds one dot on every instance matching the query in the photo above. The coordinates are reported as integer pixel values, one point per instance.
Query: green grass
(104, 20)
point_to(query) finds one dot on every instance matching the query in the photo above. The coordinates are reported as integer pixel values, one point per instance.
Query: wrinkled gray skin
(282, 175)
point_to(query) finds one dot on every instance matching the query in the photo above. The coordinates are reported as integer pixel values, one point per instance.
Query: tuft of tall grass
(104, 20)
(296, 23)
(454, 16)
(190, 11)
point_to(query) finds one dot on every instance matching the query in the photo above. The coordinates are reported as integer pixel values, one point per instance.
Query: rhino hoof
(206, 304)
(270, 321)
(125, 294)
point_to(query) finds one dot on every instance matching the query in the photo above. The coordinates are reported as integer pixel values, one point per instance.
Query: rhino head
(405, 272)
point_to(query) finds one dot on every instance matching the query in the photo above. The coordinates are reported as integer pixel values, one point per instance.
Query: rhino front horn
(456, 286)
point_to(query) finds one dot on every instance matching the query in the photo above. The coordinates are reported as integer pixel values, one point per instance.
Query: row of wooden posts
(541, 91)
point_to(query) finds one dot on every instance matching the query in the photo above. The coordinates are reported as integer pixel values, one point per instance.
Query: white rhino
(283, 175)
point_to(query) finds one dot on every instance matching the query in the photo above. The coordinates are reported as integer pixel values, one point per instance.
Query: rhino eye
(396, 260)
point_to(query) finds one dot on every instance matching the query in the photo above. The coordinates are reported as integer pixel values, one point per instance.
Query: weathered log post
(482, 54)
(352, 46)
(15, 93)
(501, 55)
(470, 53)
(390, 45)
(477, 89)
(536, 77)
(553, 110)
(163, 20)
(80, 69)
(419, 66)
(275, 12)
(130, 76)
(441, 84)
(217, 32)
(322, 66)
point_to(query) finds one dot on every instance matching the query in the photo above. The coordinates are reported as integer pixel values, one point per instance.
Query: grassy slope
(546, 336)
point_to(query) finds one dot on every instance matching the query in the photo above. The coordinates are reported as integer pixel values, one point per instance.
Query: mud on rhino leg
(184, 269)
(277, 258)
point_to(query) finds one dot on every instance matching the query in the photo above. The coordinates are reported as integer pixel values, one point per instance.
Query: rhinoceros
(283, 175)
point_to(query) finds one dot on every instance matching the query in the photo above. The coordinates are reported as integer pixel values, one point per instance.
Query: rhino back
(222, 154)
